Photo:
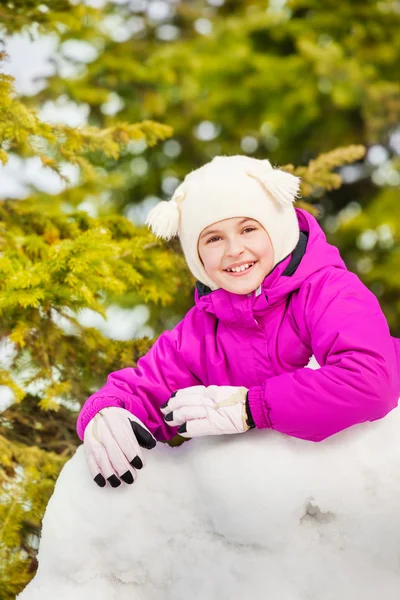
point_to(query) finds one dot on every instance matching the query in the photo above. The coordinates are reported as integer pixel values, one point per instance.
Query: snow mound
(257, 515)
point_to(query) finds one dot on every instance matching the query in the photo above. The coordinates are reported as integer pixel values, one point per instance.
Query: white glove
(211, 410)
(113, 443)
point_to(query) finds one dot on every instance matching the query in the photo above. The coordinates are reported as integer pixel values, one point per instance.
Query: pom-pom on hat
(227, 187)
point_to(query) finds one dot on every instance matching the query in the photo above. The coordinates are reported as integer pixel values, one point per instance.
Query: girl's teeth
(242, 268)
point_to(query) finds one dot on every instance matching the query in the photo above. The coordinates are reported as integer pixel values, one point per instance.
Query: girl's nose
(235, 247)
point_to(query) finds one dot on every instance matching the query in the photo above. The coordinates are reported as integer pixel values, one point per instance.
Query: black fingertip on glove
(182, 428)
(99, 479)
(249, 416)
(166, 403)
(137, 463)
(114, 481)
(169, 417)
(144, 437)
(127, 477)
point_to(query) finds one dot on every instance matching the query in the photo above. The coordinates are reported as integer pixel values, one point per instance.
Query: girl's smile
(240, 269)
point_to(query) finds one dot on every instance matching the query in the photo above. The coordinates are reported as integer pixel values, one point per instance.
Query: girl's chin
(242, 287)
(242, 291)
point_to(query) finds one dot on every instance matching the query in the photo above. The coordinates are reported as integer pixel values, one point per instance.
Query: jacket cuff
(258, 407)
(93, 408)
(249, 417)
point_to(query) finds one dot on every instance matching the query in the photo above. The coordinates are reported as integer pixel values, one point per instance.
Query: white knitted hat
(226, 187)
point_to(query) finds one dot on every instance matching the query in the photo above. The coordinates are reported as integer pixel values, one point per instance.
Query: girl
(271, 292)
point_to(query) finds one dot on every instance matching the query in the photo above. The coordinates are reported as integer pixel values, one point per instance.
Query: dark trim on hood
(297, 255)
(202, 289)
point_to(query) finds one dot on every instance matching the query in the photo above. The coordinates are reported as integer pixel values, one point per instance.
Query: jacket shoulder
(333, 281)
(329, 287)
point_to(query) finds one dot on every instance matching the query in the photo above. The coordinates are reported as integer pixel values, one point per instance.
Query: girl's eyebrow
(219, 231)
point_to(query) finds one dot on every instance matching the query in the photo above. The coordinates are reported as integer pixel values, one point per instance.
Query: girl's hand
(113, 444)
(211, 410)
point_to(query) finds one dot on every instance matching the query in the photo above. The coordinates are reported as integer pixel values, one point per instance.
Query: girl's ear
(283, 187)
(164, 218)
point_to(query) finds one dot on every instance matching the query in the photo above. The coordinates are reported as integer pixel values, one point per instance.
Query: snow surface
(258, 515)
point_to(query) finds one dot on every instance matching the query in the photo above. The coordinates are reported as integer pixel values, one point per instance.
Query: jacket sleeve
(143, 389)
(358, 378)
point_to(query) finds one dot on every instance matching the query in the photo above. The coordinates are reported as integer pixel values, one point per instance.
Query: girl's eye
(218, 237)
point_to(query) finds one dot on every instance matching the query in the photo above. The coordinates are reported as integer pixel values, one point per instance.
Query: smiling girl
(271, 292)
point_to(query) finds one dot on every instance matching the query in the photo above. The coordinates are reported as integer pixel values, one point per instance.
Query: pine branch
(320, 173)
(22, 130)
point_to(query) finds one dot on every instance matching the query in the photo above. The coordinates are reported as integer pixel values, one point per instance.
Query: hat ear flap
(164, 218)
(283, 187)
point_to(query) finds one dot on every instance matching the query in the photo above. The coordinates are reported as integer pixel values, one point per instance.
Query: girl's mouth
(242, 270)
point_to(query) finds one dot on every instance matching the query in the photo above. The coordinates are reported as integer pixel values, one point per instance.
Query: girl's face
(237, 254)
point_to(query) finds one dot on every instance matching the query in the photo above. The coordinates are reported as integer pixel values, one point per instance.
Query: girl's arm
(143, 389)
(359, 378)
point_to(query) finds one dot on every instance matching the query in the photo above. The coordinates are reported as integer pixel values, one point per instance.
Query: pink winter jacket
(310, 304)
